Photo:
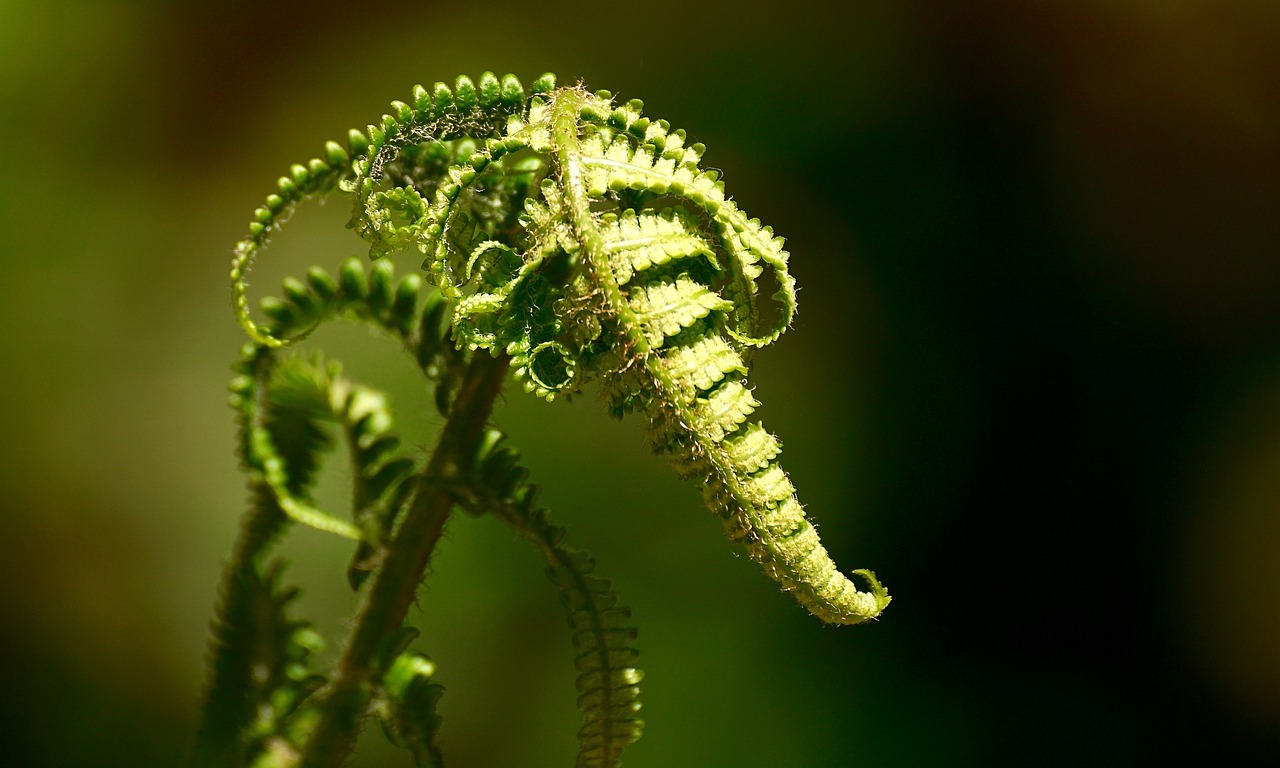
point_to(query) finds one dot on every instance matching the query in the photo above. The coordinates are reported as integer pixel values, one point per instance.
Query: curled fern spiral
(584, 241)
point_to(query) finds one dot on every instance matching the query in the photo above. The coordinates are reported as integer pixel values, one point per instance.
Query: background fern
(999, 249)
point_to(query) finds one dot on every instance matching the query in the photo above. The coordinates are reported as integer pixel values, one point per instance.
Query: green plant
(568, 240)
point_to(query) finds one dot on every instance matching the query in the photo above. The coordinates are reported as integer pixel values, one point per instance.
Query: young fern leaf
(608, 681)
(573, 240)
(545, 236)
(546, 241)
(673, 370)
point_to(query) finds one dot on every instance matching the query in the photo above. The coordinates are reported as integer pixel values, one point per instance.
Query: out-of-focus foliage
(1038, 249)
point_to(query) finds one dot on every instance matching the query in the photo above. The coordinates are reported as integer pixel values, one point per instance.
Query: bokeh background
(1034, 382)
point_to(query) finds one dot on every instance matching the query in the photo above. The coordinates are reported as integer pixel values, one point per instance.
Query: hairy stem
(395, 585)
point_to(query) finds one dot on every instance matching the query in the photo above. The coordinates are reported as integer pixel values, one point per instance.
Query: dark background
(1034, 382)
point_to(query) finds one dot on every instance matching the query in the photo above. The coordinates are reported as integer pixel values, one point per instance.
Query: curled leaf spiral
(585, 241)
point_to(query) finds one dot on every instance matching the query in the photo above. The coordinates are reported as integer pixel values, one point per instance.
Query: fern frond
(608, 680)
(595, 281)
(515, 202)
(380, 473)
(419, 144)
(681, 365)
(284, 404)
(256, 649)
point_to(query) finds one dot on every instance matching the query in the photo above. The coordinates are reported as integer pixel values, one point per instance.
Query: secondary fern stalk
(569, 240)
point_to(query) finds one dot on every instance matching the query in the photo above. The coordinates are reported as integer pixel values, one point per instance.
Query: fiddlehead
(686, 326)
(572, 241)
(626, 263)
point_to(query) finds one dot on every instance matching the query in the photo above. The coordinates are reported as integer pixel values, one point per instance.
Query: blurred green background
(1034, 382)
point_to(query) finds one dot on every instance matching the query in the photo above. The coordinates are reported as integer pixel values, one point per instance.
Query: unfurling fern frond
(571, 240)
(584, 241)
(608, 681)
(312, 394)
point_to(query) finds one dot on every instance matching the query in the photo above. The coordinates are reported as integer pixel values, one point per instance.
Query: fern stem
(392, 593)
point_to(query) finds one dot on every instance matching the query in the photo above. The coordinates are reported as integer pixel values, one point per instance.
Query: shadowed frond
(608, 680)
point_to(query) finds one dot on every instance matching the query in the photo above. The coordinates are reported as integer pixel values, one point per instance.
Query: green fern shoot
(567, 239)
